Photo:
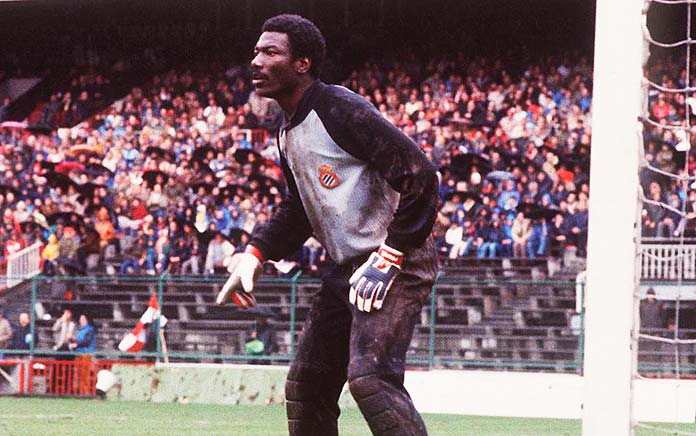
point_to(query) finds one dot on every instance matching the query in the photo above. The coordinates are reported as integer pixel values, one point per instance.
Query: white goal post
(611, 263)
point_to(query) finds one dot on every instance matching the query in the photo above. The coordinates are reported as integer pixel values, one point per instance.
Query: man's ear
(303, 65)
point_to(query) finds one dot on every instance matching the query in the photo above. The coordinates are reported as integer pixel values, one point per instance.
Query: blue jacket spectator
(86, 337)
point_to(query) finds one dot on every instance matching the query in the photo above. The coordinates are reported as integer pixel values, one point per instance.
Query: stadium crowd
(670, 206)
(176, 175)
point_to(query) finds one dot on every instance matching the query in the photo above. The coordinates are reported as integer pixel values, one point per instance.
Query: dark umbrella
(4, 189)
(95, 169)
(235, 236)
(150, 177)
(40, 129)
(204, 171)
(461, 165)
(59, 180)
(533, 211)
(88, 189)
(248, 156)
(201, 153)
(49, 166)
(208, 187)
(157, 152)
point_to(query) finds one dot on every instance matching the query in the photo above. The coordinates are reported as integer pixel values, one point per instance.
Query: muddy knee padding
(387, 409)
(311, 402)
(373, 403)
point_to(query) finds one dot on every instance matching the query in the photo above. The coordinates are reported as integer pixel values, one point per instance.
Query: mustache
(256, 74)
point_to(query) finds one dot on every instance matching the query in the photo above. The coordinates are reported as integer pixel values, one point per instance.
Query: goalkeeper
(368, 194)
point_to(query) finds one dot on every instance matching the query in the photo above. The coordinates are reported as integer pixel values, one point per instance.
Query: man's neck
(289, 102)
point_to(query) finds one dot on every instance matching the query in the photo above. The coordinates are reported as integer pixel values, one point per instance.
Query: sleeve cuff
(251, 249)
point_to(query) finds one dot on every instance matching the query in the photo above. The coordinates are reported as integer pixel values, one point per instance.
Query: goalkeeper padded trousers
(340, 343)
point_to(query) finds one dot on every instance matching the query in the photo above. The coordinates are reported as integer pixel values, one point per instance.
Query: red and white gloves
(371, 281)
(368, 284)
(245, 268)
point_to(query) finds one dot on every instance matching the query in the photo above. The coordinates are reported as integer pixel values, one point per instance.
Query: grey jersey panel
(350, 210)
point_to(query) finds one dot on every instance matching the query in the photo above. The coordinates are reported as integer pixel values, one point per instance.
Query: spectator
(192, 264)
(652, 312)
(261, 339)
(521, 232)
(507, 242)
(49, 255)
(4, 108)
(14, 243)
(493, 243)
(578, 228)
(133, 256)
(23, 339)
(5, 333)
(63, 331)
(106, 232)
(84, 344)
(558, 235)
(538, 239)
(68, 245)
(454, 237)
(88, 252)
(312, 254)
(653, 321)
(179, 253)
(150, 255)
(216, 253)
(481, 235)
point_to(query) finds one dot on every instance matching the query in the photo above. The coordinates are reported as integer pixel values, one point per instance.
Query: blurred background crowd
(179, 172)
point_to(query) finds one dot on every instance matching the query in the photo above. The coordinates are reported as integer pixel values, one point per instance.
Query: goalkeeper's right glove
(244, 269)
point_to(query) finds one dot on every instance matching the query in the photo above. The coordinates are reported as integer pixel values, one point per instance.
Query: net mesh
(668, 173)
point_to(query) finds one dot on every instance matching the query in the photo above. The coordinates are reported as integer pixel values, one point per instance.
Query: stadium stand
(139, 158)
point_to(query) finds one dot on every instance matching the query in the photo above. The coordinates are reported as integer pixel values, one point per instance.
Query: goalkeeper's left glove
(371, 281)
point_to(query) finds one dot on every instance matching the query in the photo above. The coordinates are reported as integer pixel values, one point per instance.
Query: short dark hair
(304, 37)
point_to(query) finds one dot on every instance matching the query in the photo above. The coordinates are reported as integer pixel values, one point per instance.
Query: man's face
(273, 71)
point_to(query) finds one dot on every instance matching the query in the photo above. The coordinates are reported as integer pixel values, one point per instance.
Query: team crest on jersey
(327, 177)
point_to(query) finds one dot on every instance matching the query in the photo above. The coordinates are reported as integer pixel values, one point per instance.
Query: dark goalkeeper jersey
(354, 180)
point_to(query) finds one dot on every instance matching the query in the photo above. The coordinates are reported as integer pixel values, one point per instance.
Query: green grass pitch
(71, 417)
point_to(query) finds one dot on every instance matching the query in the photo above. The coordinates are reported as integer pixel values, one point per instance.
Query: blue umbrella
(500, 175)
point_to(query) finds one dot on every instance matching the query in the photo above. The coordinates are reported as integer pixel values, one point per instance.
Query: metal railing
(55, 377)
(668, 261)
(23, 265)
(498, 324)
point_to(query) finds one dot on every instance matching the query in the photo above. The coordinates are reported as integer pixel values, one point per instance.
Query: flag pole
(163, 344)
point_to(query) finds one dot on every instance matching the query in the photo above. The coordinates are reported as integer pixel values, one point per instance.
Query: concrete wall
(439, 391)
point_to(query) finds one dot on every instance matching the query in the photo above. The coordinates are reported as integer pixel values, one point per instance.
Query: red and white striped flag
(136, 339)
